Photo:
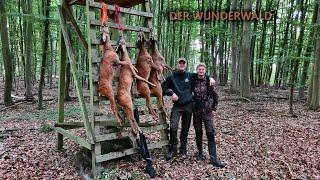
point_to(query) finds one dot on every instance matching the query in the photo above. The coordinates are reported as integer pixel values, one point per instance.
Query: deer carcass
(110, 63)
(144, 66)
(126, 76)
(159, 61)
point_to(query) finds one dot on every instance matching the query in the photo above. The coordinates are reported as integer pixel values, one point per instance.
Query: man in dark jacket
(178, 86)
(205, 100)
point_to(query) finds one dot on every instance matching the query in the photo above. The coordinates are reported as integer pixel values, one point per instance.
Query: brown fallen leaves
(257, 140)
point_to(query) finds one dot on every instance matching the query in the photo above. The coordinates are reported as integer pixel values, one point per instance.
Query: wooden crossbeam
(96, 41)
(123, 10)
(145, 126)
(74, 71)
(95, 22)
(119, 135)
(69, 125)
(74, 137)
(75, 26)
(114, 155)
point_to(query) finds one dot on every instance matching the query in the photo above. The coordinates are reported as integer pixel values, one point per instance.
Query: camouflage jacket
(205, 97)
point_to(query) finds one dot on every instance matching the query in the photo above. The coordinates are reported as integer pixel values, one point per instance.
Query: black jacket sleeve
(167, 86)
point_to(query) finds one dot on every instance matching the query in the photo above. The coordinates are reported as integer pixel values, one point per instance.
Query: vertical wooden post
(94, 102)
(71, 56)
(162, 116)
(61, 87)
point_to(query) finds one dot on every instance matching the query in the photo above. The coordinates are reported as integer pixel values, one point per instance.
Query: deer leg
(158, 93)
(108, 93)
(115, 111)
(123, 63)
(125, 101)
(151, 110)
(142, 79)
(167, 67)
(134, 125)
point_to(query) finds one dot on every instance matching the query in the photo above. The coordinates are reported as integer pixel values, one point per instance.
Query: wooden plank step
(123, 10)
(101, 117)
(120, 135)
(69, 125)
(114, 155)
(122, 3)
(95, 22)
(97, 41)
(74, 137)
(135, 96)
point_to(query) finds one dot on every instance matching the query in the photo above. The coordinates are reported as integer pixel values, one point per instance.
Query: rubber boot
(213, 154)
(173, 145)
(200, 155)
(171, 153)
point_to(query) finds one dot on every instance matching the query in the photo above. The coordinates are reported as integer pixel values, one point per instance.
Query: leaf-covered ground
(256, 139)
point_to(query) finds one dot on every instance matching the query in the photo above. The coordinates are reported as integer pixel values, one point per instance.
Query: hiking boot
(215, 162)
(170, 155)
(200, 157)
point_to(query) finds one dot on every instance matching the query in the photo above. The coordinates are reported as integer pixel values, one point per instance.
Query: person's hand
(174, 97)
(212, 81)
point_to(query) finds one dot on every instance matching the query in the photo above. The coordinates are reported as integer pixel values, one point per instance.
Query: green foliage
(135, 175)
(45, 115)
(109, 174)
(45, 128)
(244, 99)
(113, 174)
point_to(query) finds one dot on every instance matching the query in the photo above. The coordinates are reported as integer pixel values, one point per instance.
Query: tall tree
(6, 55)
(295, 60)
(28, 50)
(234, 85)
(314, 101)
(308, 55)
(245, 54)
(281, 64)
(45, 45)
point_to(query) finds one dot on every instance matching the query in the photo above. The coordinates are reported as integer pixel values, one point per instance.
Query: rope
(104, 14)
(117, 16)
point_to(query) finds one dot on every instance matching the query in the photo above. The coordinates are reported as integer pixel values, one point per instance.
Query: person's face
(201, 71)
(182, 65)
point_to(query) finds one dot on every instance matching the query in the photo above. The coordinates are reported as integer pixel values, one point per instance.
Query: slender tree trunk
(297, 58)
(314, 103)
(28, 51)
(234, 85)
(273, 42)
(245, 55)
(6, 55)
(51, 64)
(259, 70)
(281, 65)
(306, 61)
(45, 45)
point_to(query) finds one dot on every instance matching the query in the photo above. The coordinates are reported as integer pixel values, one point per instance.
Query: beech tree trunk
(28, 51)
(245, 55)
(6, 55)
(45, 45)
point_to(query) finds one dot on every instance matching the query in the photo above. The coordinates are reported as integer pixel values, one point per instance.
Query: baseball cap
(181, 59)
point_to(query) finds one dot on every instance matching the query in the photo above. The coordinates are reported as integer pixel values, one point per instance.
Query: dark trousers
(207, 120)
(185, 113)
